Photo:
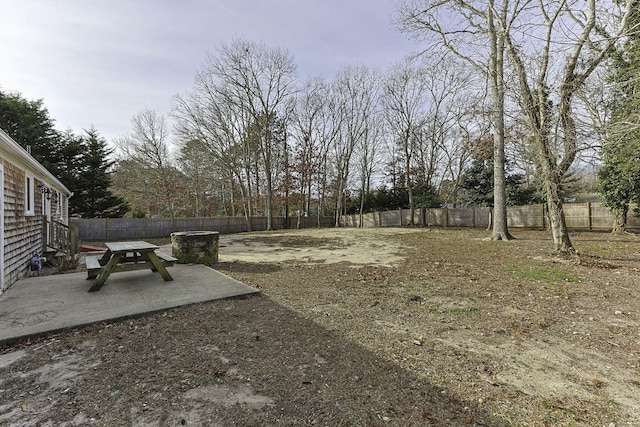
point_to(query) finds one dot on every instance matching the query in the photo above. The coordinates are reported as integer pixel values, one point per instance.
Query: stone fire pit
(195, 247)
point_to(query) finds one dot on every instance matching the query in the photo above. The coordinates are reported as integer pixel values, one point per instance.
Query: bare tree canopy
(145, 154)
(241, 96)
(471, 31)
(554, 48)
(551, 47)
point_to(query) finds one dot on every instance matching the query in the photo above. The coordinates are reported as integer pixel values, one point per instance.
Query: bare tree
(261, 82)
(404, 103)
(471, 30)
(354, 101)
(554, 48)
(202, 178)
(552, 68)
(368, 156)
(213, 113)
(450, 114)
(148, 147)
(131, 182)
(314, 131)
(472, 123)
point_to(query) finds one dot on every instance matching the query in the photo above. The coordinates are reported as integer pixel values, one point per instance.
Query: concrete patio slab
(38, 305)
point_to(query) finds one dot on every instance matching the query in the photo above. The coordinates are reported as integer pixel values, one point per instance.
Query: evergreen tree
(476, 185)
(72, 149)
(426, 196)
(29, 124)
(619, 176)
(80, 162)
(92, 180)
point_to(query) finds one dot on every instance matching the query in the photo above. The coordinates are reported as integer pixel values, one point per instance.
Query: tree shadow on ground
(247, 267)
(187, 366)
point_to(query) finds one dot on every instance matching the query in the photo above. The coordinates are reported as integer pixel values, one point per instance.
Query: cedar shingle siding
(24, 231)
(22, 234)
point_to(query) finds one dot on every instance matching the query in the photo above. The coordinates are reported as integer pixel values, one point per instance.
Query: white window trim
(29, 195)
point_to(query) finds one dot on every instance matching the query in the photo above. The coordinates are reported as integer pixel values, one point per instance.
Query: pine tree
(29, 124)
(476, 185)
(619, 177)
(92, 194)
(70, 160)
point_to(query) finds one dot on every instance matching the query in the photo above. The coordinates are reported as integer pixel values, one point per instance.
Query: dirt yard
(378, 327)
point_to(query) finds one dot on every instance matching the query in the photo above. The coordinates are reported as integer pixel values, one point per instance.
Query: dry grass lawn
(403, 326)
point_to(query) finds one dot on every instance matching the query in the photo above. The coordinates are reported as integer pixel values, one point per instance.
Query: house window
(29, 193)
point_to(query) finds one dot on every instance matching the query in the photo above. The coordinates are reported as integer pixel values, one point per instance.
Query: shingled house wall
(23, 229)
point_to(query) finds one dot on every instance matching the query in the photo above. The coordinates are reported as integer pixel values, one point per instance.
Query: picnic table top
(130, 246)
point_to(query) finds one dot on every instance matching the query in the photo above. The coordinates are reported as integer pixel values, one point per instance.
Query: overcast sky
(99, 62)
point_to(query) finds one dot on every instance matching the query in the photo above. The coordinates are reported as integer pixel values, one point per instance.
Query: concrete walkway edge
(39, 305)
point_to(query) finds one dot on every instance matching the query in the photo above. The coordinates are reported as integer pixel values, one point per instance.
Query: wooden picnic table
(127, 256)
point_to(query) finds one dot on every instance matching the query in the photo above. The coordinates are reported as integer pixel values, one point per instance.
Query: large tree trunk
(339, 196)
(412, 208)
(620, 220)
(269, 203)
(500, 230)
(561, 241)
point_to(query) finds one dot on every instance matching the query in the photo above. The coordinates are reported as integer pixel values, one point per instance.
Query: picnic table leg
(105, 257)
(106, 271)
(159, 266)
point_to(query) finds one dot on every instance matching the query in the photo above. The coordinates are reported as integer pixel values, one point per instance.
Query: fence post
(589, 216)
(143, 228)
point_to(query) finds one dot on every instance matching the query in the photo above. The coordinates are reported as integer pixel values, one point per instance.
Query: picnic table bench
(127, 256)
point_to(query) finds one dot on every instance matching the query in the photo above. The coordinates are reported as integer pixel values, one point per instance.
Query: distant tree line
(491, 117)
(250, 139)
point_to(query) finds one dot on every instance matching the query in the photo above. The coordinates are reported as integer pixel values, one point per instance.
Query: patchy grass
(546, 274)
(444, 328)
